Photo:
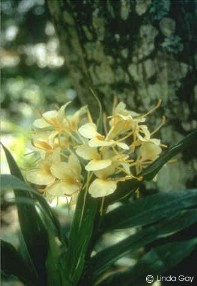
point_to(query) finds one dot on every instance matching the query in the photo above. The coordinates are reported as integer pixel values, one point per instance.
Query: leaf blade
(157, 261)
(102, 261)
(32, 228)
(148, 210)
(80, 236)
(13, 264)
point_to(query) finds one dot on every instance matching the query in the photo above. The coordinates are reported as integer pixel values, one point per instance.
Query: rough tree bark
(139, 51)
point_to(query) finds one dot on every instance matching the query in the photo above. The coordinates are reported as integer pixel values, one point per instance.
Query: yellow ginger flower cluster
(75, 155)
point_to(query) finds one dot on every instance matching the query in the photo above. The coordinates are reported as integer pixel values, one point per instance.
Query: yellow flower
(97, 161)
(120, 153)
(73, 121)
(144, 135)
(147, 153)
(108, 177)
(121, 111)
(123, 121)
(68, 175)
(130, 124)
(101, 188)
(50, 130)
(89, 130)
(57, 129)
(52, 118)
(41, 174)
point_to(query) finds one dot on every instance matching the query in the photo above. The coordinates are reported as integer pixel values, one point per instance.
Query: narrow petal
(96, 142)
(123, 146)
(43, 145)
(126, 167)
(101, 188)
(61, 112)
(63, 107)
(145, 131)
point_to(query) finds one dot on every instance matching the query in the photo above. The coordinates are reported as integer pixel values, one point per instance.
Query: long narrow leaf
(99, 121)
(14, 169)
(80, 236)
(154, 263)
(32, 228)
(11, 182)
(56, 267)
(148, 210)
(104, 259)
(13, 264)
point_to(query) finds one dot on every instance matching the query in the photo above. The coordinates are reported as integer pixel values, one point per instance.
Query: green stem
(80, 236)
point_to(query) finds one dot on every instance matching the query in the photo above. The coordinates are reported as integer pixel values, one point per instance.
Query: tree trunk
(139, 51)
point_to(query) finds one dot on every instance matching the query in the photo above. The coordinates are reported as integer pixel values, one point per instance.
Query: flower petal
(88, 130)
(40, 177)
(86, 152)
(101, 188)
(43, 145)
(61, 170)
(149, 151)
(40, 123)
(96, 142)
(104, 173)
(48, 118)
(63, 188)
(122, 145)
(74, 166)
(67, 170)
(95, 165)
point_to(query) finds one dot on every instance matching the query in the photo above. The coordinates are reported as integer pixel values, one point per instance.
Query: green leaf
(156, 262)
(14, 169)
(150, 172)
(80, 236)
(99, 122)
(11, 182)
(148, 210)
(34, 233)
(52, 262)
(13, 264)
(56, 267)
(166, 227)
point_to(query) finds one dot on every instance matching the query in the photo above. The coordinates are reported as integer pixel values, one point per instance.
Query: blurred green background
(33, 79)
(33, 72)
